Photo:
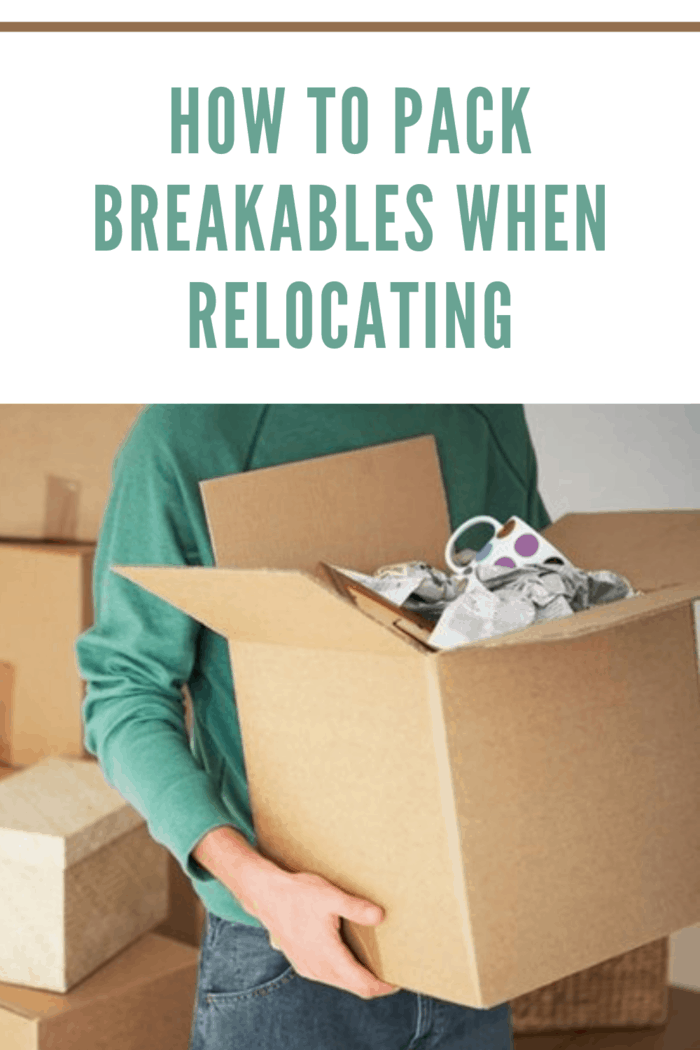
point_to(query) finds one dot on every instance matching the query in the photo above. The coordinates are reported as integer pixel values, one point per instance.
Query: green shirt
(141, 650)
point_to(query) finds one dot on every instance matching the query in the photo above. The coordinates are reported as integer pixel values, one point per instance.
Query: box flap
(653, 549)
(363, 509)
(272, 607)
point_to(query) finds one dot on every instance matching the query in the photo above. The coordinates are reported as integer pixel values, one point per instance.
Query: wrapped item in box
(524, 807)
(45, 603)
(141, 1000)
(81, 877)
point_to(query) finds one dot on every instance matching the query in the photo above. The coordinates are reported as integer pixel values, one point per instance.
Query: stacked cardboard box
(83, 881)
(55, 485)
(83, 885)
(55, 468)
(141, 1000)
(81, 876)
(45, 605)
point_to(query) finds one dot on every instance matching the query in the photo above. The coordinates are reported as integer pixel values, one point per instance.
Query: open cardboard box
(523, 807)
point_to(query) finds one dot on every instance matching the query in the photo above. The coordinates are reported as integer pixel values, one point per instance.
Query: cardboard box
(45, 604)
(55, 467)
(7, 682)
(81, 877)
(186, 913)
(524, 807)
(141, 1000)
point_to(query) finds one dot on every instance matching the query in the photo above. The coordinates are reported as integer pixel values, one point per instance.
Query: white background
(618, 109)
(616, 457)
(360, 10)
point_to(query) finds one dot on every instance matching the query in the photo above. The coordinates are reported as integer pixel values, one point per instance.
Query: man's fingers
(338, 902)
(361, 911)
(336, 966)
(346, 972)
(312, 942)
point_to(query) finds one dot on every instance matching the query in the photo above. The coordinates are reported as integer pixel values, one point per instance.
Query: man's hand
(301, 912)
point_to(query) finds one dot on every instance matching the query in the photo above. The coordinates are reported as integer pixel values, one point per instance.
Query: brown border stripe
(349, 27)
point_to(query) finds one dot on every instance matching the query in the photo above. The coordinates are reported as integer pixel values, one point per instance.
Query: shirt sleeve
(139, 653)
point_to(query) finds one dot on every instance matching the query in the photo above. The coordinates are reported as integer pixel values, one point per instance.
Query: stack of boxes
(98, 927)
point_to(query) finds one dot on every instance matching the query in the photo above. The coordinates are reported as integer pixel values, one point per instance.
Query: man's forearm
(228, 855)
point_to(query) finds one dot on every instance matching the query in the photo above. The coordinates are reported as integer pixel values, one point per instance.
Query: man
(274, 972)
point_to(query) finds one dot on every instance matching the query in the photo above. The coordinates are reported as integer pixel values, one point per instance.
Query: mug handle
(459, 569)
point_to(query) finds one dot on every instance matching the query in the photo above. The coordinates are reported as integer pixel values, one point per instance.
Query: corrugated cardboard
(141, 1000)
(186, 913)
(362, 511)
(45, 603)
(523, 807)
(81, 877)
(7, 683)
(55, 467)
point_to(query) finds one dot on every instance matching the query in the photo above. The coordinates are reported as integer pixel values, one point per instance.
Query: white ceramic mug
(512, 545)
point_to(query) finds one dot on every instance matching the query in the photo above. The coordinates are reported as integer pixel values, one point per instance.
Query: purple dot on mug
(483, 553)
(526, 545)
(508, 563)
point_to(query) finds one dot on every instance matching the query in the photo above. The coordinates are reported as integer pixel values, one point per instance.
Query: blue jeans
(250, 998)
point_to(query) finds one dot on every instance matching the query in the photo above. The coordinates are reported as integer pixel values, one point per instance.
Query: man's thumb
(361, 911)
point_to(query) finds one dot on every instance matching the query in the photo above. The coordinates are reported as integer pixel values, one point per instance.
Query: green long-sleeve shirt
(141, 650)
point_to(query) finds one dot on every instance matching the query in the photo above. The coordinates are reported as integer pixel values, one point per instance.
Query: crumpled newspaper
(484, 601)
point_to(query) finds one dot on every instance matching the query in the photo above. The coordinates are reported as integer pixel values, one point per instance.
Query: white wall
(617, 457)
(623, 457)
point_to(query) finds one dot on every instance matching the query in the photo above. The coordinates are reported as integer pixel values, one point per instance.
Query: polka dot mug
(512, 545)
